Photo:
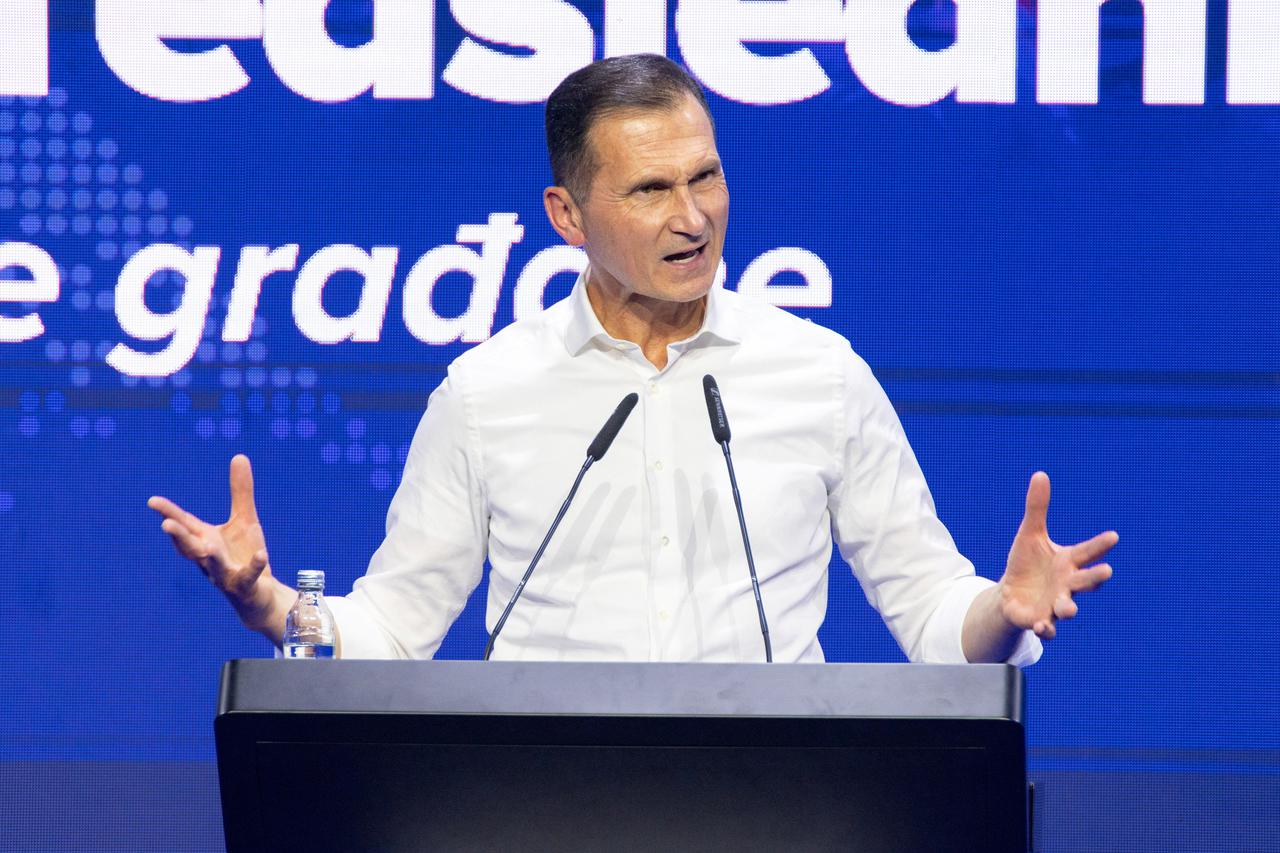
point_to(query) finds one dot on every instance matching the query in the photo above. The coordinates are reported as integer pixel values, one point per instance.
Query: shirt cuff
(359, 637)
(1028, 650)
(943, 635)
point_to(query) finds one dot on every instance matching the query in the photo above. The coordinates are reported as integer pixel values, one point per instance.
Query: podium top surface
(925, 691)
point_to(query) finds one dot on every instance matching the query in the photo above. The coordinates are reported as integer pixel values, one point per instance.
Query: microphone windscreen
(610, 429)
(715, 409)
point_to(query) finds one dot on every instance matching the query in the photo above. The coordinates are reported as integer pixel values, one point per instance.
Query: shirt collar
(718, 324)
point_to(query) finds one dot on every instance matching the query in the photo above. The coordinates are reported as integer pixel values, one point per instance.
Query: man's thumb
(242, 503)
(1037, 511)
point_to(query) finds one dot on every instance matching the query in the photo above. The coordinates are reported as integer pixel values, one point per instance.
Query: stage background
(1084, 289)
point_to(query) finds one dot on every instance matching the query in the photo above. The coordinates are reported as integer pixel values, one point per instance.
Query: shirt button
(665, 541)
(658, 465)
(653, 387)
(664, 615)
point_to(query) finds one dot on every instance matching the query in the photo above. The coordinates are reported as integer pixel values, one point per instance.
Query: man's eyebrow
(648, 181)
(710, 167)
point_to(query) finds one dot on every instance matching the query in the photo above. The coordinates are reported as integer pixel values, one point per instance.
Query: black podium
(499, 756)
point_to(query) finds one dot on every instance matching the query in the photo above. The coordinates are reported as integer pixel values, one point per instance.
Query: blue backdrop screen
(1052, 236)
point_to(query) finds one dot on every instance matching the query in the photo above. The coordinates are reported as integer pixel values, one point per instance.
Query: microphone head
(715, 409)
(609, 431)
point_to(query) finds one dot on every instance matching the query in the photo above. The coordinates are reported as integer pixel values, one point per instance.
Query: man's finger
(1089, 579)
(188, 545)
(1044, 629)
(1036, 518)
(257, 563)
(173, 525)
(171, 510)
(1065, 608)
(1093, 549)
(242, 487)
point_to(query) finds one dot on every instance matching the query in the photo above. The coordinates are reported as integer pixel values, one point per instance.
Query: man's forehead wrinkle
(663, 148)
(655, 152)
(645, 128)
(650, 131)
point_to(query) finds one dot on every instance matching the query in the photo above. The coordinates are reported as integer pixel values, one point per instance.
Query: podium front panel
(451, 755)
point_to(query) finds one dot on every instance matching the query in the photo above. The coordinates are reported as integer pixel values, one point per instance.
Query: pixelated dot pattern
(71, 188)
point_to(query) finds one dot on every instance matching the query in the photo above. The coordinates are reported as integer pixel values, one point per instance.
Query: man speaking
(649, 563)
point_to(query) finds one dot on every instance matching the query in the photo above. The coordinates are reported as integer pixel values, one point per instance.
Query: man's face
(655, 215)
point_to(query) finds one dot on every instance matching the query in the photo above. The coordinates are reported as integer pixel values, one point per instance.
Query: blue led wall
(1047, 266)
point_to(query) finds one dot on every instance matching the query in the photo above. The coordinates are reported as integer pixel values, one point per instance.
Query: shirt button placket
(660, 504)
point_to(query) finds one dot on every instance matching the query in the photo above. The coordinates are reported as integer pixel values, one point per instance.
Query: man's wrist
(988, 635)
(265, 613)
(1001, 607)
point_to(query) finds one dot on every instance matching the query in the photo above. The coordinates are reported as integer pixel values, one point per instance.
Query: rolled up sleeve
(887, 528)
(433, 555)
(943, 634)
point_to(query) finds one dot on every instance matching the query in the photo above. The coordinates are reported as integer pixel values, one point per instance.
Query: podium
(337, 755)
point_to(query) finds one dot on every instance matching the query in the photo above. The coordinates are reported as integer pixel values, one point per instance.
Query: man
(648, 564)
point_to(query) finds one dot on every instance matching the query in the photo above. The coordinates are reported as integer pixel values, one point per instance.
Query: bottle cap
(311, 580)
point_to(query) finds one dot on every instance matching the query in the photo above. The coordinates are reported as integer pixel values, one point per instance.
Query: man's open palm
(234, 554)
(1041, 577)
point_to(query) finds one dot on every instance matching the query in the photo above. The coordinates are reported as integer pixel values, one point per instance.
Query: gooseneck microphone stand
(720, 431)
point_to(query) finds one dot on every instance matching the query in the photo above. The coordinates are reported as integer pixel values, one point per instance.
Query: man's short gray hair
(641, 82)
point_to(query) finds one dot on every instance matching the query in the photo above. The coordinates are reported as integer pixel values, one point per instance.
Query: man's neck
(651, 323)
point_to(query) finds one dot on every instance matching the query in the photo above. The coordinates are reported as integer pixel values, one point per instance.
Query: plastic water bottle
(308, 629)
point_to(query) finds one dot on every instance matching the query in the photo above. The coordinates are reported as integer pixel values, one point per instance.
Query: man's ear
(565, 215)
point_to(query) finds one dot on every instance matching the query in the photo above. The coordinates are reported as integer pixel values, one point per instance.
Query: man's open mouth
(685, 257)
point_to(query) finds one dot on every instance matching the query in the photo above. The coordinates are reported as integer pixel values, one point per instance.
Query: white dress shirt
(648, 564)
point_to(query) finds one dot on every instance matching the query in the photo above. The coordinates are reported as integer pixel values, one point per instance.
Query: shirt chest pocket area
(783, 484)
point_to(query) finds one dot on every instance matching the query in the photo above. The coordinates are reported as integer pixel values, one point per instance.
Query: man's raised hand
(233, 555)
(1041, 577)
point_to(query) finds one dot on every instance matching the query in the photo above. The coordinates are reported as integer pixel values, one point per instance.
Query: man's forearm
(987, 636)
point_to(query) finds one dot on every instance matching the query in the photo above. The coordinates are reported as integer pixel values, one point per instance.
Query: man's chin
(687, 291)
(663, 284)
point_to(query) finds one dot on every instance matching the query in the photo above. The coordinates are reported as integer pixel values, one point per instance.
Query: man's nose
(686, 215)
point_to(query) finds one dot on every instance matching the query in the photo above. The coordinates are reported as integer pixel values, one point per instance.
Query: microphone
(720, 431)
(609, 431)
(715, 410)
(595, 453)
